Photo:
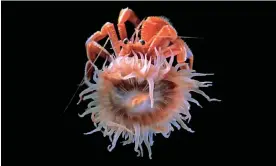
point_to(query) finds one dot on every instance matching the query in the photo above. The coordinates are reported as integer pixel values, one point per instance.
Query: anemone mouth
(130, 100)
(136, 98)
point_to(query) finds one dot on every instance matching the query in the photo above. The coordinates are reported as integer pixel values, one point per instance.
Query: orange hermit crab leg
(181, 50)
(190, 56)
(167, 32)
(185, 53)
(152, 26)
(124, 16)
(176, 50)
(94, 48)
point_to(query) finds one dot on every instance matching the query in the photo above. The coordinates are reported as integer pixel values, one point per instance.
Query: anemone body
(137, 97)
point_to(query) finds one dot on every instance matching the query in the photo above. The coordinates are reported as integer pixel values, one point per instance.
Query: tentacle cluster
(108, 109)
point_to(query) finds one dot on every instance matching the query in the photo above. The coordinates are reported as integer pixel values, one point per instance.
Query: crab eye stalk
(142, 42)
(125, 41)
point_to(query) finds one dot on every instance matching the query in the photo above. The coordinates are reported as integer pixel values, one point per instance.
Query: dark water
(43, 58)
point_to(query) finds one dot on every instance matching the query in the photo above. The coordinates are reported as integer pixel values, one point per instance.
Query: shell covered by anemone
(137, 97)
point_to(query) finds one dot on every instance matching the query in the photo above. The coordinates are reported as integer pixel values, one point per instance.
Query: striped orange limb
(94, 49)
(124, 16)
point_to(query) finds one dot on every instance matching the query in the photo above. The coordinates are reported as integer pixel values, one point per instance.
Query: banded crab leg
(179, 47)
(124, 16)
(182, 51)
(93, 48)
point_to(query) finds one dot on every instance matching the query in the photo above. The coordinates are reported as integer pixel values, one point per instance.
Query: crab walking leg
(190, 56)
(89, 68)
(93, 48)
(124, 16)
(182, 51)
(176, 51)
(185, 54)
(179, 47)
(151, 26)
(156, 40)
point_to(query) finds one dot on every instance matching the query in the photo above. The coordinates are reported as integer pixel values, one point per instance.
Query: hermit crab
(138, 92)
(155, 32)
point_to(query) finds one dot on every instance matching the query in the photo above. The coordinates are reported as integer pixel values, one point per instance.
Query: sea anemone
(136, 97)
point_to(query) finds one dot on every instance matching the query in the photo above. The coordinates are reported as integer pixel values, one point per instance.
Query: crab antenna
(187, 37)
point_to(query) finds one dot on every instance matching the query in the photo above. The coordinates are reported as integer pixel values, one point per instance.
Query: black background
(43, 58)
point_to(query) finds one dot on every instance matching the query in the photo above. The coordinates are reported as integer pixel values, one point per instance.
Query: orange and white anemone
(136, 98)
